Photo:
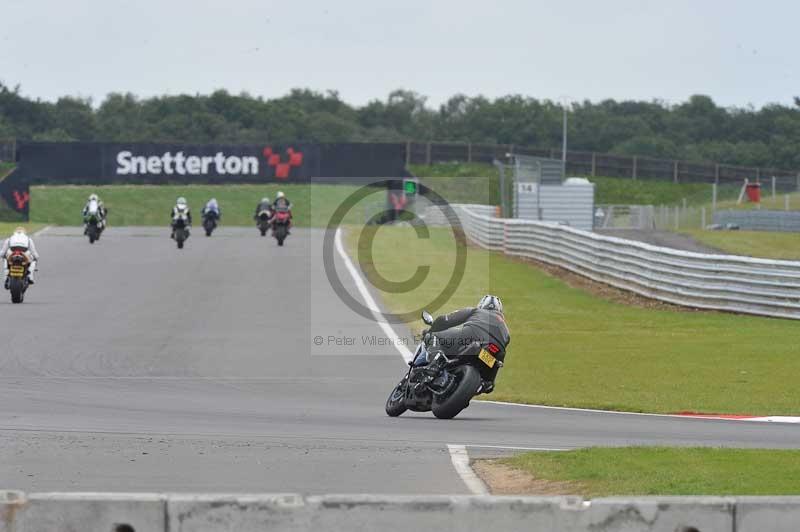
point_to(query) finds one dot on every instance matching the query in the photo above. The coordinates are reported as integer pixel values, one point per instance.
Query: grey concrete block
(92, 512)
(237, 513)
(776, 514)
(655, 514)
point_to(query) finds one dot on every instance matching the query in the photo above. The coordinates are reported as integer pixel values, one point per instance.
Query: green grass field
(571, 348)
(151, 205)
(763, 244)
(601, 472)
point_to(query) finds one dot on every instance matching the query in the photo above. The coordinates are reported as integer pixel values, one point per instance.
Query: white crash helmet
(94, 197)
(265, 199)
(490, 302)
(181, 202)
(280, 195)
(19, 239)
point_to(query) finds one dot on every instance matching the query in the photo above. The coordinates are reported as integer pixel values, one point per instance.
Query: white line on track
(368, 299)
(460, 459)
(43, 230)
(770, 419)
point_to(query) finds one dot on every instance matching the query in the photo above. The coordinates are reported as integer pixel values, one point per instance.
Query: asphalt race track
(133, 366)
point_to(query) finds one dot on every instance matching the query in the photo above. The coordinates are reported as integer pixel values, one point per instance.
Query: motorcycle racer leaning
(457, 330)
(19, 241)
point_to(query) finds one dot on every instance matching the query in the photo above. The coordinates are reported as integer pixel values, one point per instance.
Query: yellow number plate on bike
(487, 358)
(16, 271)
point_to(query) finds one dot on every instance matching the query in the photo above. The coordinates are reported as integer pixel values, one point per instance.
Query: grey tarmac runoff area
(133, 366)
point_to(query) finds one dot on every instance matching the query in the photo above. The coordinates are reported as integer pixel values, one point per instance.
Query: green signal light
(410, 187)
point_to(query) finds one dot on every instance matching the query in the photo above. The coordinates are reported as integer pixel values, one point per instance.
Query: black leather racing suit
(459, 329)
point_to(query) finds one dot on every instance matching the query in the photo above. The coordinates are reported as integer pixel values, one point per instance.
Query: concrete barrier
(131, 512)
(776, 514)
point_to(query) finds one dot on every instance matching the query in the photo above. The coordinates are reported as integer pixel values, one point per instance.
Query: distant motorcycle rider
(94, 206)
(282, 203)
(19, 241)
(181, 211)
(264, 205)
(457, 330)
(212, 209)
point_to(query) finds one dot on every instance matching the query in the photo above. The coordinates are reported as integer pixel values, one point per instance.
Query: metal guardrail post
(675, 171)
(428, 154)
(408, 153)
(635, 164)
(469, 152)
(594, 165)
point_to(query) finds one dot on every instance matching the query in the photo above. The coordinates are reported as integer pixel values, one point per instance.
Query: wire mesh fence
(585, 163)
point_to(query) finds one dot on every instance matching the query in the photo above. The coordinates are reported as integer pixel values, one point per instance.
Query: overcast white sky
(738, 51)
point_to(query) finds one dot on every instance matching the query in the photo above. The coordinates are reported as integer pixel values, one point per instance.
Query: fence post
(714, 198)
(716, 173)
(677, 217)
(675, 171)
(594, 166)
(428, 154)
(786, 202)
(758, 175)
(703, 218)
(469, 152)
(408, 153)
(773, 188)
(635, 164)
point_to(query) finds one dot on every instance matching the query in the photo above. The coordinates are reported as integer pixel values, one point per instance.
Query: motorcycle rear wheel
(17, 290)
(449, 406)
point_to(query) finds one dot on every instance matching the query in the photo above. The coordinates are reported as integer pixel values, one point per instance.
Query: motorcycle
(280, 225)
(262, 221)
(181, 231)
(94, 224)
(209, 222)
(18, 266)
(444, 385)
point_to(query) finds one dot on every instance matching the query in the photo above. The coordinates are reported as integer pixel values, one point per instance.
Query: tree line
(697, 129)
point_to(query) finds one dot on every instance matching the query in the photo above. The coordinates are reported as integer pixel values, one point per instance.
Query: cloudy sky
(740, 52)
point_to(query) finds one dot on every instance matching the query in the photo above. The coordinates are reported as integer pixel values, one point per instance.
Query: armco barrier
(109, 512)
(719, 282)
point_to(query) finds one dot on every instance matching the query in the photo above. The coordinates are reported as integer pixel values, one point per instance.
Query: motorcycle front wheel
(449, 405)
(396, 403)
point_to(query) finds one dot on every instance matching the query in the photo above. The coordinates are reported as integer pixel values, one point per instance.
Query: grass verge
(6, 228)
(599, 472)
(151, 205)
(572, 348)
(761, 244)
